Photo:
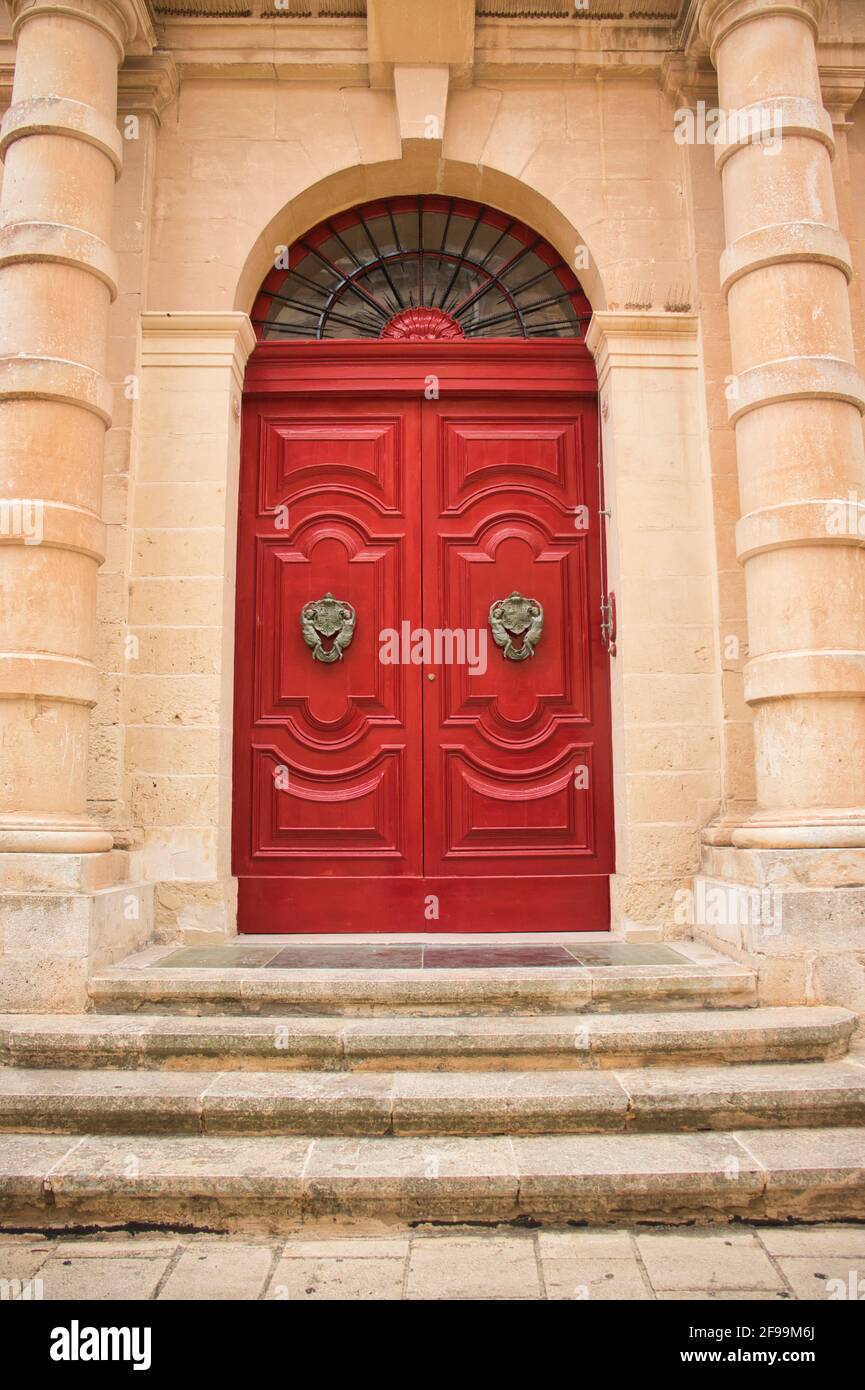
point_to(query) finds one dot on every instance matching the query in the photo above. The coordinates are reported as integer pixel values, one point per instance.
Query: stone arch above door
(418, 173)
(422, 268)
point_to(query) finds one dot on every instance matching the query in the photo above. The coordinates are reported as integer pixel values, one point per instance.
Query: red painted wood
(270, 904)
(343, 737)
(504, 481)
(460, 789)
(554, 366)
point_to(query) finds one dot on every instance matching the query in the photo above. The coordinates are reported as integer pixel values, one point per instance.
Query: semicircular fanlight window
(420, 269)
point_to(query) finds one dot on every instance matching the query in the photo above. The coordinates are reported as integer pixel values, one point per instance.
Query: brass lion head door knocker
(324, 619)
(517, 624)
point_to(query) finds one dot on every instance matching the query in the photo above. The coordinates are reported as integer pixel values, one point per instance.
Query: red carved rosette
(421, 325)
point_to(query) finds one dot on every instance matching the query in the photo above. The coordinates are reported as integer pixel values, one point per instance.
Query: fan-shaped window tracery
(421, 268)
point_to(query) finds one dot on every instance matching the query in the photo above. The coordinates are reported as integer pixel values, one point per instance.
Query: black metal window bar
(424, 266)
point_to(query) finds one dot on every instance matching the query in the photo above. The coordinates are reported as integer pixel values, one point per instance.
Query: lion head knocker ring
(324, 619)
(517, 618)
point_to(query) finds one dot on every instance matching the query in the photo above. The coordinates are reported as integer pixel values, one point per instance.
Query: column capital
(717, 18)
(127, 23)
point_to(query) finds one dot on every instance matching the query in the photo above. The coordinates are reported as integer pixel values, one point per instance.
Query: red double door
(422, 728)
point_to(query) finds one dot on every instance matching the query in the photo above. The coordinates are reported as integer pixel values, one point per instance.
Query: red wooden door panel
(327, 758)
(516, 779)
(418, 797)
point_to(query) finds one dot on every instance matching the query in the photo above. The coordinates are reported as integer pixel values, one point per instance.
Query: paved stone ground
(764, 1262)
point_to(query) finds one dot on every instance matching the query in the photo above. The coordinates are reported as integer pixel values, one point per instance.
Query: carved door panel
(327, 749)
(517, 771)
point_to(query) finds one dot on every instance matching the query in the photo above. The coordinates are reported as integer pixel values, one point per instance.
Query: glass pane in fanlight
(288, 317)
(332, 329)
(491, 316)
(528, 268)
(312, 269)
(302, 292)
(380, 230)
(335, 253)
(506, 328)
(537, 318)
(404, 274)
(556, 330)
(496, 249)
(354, 239)
(407, 230)
(459, 231)
(287, 322)
(270, 331)
(437, 271)
(547, 287)
(375, 282)
(434, 224)
(466, 280)
(350, 317)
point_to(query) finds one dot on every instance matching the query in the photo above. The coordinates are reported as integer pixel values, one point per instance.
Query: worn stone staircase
(230, 1098)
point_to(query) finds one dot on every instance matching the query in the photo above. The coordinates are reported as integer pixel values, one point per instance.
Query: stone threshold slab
(267, 947)
(411, 956)
(503, 990)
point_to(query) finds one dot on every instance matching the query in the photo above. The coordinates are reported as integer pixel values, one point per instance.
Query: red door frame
(352, 368)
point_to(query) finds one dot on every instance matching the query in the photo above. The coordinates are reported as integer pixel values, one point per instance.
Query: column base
(62, 917)
(815, 829)
(21, 834)
(795, 915)
(721, 831)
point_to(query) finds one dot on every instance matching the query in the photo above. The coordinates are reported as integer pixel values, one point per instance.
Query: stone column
(62, 154)
(795, 400)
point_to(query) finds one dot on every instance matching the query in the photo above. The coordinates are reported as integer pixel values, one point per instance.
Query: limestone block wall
(231, 155)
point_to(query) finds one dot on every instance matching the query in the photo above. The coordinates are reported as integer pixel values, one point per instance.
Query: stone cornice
(219, 339)
(687, 80)
(623, 338)
(334, 50)
(842, 84)
(251, 49)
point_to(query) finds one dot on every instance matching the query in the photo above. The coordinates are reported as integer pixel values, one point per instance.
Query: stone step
(433, 1103)
(552, 1041)
(212, 1183)
(523, 990)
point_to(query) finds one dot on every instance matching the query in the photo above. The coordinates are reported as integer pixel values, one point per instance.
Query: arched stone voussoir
(421, 170)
